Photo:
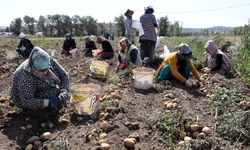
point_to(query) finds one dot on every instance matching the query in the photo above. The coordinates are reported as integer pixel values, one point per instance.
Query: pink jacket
(213, 51)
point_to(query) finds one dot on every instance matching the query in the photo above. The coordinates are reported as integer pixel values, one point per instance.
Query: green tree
(16, 26)
(30, 23)
(177, 29)
(119, 23)
(164, 26)
(92, 27)
(41, 25)
(66, 24)
(76, 24)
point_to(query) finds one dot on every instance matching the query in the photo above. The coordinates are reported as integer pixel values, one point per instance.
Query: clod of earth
(135, 136)
(104, 125)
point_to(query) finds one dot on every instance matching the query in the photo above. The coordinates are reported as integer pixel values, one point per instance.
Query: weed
(114, 79)
(60, 144)
(168, 126)
(109, 103)
(235, 126)
(5, 92)
(241, 59)
(219, 39)
(226, 100)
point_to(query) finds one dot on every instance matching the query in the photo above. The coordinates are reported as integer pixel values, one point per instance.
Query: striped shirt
(149, 24)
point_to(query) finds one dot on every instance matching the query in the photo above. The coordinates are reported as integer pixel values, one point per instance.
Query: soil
(129, 115)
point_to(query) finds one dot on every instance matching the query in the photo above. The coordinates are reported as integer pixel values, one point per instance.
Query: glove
(122, 66)
(63, 96)
(54, 102)
(189, 83)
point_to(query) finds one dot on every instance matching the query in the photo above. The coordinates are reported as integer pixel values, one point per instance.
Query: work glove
(189, 83)
(63, 96)
(55, 102)
(122, 66)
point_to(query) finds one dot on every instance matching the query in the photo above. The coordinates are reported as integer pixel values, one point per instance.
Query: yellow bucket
(85, 98)
(98, 69)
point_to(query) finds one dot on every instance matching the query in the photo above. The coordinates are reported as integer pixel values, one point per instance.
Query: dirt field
(146, 116)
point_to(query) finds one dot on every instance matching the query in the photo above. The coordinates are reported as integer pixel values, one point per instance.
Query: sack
(165, 52)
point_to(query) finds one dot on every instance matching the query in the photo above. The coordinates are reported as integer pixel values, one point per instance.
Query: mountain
(210, 29)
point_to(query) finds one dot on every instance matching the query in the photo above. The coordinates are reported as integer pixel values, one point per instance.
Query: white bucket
(143, 78)
(11, 55)
(51, 52)
(74, 52)
(85, 98)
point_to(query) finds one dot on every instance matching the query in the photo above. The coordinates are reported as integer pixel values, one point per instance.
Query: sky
(190, 13)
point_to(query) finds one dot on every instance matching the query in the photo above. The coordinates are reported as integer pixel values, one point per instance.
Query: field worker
(130, 32)
(89, 46)
(217, 61)
(148, 39)
(39, 83)
(68, 44)
(106, 52)
(178, 65)
(24, 42)
(128, 53)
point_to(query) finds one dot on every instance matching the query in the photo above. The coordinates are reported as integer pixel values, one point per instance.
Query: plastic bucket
(74, 52)
(85, 98)
(98, 69)
(143, 78)
(11, 55)
(51, 52)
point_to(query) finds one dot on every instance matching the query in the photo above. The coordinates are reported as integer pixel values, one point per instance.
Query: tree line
(59, 25)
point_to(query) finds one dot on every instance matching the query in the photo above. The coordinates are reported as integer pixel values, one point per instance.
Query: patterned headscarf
(40, 60)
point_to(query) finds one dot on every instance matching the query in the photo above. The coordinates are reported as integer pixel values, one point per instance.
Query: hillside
(210, 29)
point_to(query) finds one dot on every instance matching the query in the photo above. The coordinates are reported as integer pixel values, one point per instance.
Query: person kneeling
(178, 64)
(40, 83)
(128, 53)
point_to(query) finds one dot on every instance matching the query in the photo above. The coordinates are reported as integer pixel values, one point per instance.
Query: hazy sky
(191, 13)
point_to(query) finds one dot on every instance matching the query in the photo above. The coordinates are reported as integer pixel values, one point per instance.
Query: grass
(235, 127)
(226, 100)
(109, 103)
(168, 126)
(233, 123)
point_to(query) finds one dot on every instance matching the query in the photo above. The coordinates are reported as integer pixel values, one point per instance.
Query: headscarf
(211, 48)
(184, 51)
(213, 51)
(149, 10)
(40, 60)
(88, 39)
